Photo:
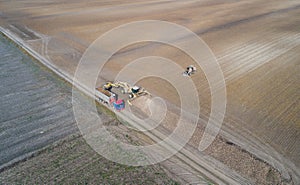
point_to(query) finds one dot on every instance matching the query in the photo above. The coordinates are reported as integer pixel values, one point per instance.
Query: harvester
(132, 91)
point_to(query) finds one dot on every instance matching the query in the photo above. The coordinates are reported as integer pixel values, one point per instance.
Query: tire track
(252, 56)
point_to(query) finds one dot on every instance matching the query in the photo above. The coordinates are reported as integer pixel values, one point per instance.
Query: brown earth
(256, 44)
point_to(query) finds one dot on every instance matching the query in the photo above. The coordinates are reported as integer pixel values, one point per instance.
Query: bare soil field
(39, 140)
(256, 44)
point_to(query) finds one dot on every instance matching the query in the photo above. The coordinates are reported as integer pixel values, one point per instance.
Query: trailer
(103, 96)
(109, 99)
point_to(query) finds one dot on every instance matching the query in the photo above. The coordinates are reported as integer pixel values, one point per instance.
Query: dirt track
(256, 44)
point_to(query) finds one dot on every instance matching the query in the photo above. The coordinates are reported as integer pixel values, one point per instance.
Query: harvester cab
(135, 89)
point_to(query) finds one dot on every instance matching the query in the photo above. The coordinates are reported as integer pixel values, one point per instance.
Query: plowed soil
(257, 44)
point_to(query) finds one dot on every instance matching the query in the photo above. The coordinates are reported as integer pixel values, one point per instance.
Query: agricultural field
(40, 142)
(256, 44)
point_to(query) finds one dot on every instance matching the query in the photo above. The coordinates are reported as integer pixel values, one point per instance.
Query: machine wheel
(185, 74)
